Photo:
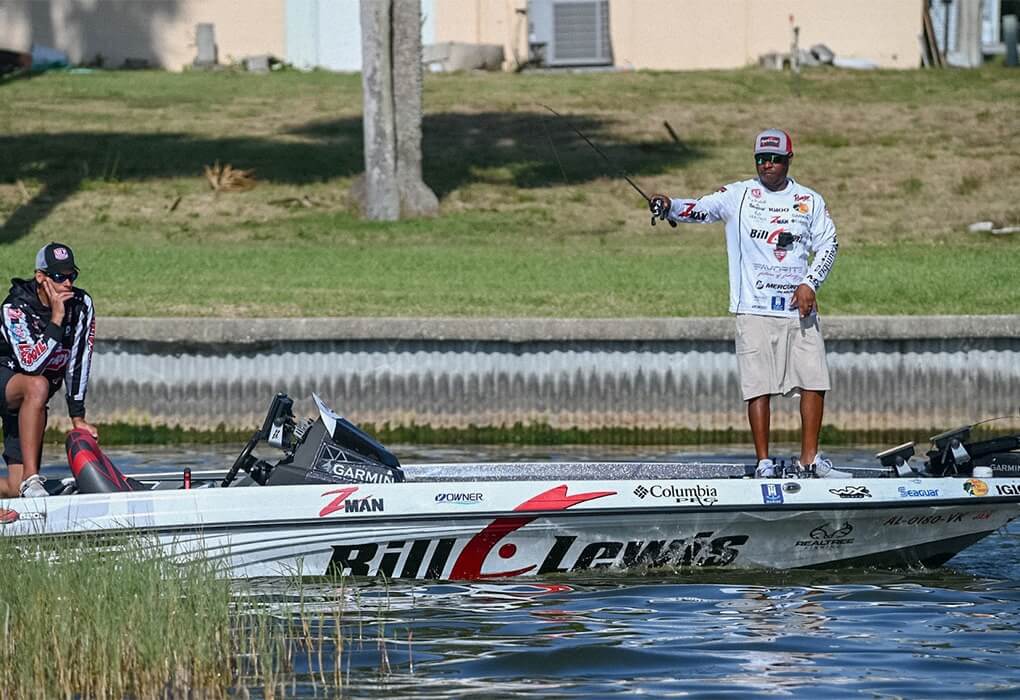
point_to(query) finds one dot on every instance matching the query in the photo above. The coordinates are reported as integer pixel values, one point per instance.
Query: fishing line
(619, 171)
(545, 128)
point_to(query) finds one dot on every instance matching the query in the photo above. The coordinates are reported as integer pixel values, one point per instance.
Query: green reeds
(109, 622)
(85, 618)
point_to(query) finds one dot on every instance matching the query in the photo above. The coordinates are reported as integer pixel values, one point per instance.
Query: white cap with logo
(773, 141)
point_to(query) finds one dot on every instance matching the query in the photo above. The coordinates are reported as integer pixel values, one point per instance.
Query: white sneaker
(823, 469)
(766, 469)
(32, 487)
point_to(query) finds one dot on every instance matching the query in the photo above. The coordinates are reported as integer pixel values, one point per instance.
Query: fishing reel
(659, 207)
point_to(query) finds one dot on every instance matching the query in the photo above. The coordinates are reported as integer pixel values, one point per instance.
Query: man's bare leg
(759, 416)
(812, 404)
(28, 394)
(11, 486)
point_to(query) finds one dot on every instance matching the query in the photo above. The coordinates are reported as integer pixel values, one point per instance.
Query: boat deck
(590, 471)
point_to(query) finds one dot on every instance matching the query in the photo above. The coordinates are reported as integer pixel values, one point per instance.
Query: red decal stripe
(469, 563)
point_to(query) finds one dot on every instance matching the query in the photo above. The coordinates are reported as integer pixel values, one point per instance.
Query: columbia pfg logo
(640, 492)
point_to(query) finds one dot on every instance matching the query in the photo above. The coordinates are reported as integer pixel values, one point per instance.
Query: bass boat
(338, 503)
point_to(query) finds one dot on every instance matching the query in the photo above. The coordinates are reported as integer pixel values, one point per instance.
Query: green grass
(110, 618)
(109, 625)
(531, 223)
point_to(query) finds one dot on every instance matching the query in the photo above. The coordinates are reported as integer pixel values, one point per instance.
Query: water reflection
(869, 632)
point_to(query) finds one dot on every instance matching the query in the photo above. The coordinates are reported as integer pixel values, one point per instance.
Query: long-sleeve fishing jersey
(769, 238)
(31, 344)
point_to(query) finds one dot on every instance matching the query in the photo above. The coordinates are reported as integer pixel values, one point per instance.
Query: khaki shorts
(776, 355)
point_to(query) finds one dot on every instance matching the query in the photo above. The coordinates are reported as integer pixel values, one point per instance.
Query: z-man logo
(350, 505)
(689, 213)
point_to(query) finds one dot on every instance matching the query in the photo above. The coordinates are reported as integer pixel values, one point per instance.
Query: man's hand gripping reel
(659, 205)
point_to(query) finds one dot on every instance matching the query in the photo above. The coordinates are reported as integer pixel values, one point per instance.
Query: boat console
(329, 449)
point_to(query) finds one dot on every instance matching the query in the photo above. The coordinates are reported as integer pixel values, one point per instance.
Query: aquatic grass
(95, 617)
(82, 619)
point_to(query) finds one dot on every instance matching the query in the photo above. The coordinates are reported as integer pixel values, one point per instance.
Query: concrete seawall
(887, 372)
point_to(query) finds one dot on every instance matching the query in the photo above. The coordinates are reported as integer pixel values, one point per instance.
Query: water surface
(858, 633)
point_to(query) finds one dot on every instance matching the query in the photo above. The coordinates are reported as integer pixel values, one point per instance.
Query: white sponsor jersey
(770, 237)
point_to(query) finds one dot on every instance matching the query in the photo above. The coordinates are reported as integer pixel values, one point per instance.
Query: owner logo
(8, 516)
(851, 492)
(826, 536)
(699, 493)
(975, 487)
(460, 499)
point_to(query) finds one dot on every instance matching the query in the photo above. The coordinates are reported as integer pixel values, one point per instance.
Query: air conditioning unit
(565, 33)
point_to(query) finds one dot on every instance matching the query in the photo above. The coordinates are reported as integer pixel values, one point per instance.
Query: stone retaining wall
(887, 372)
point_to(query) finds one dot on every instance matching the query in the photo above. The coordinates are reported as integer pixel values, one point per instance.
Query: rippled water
(952, 631)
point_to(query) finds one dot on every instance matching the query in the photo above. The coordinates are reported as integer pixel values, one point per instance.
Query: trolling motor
(898, 458)
(954, 453)
(329, 449)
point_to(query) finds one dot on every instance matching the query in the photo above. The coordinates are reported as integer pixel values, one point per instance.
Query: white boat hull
(463, 530)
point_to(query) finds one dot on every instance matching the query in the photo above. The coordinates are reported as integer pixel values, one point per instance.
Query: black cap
(54, 257)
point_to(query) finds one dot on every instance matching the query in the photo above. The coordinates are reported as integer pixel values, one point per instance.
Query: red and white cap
(773, 141)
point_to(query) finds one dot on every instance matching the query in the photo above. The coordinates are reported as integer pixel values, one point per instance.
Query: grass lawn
(531, 222)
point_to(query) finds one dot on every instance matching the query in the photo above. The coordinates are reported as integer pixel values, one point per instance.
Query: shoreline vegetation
(122, 434)
(112, 618)
(532, 222)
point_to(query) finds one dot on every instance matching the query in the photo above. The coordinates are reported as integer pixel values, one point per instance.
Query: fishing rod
(619, 171)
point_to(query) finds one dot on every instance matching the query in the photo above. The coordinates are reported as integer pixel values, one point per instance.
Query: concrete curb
(247, 331)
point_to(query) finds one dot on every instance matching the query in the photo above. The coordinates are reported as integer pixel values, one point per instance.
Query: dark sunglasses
(60, 277)
(763, 158)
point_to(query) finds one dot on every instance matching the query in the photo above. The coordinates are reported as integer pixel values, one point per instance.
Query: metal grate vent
(571, 32)
(577, 30)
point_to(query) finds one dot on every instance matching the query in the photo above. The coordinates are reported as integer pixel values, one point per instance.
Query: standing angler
(46, 339)
(773, 225)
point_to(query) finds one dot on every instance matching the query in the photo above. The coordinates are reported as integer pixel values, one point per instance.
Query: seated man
(46, 338)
